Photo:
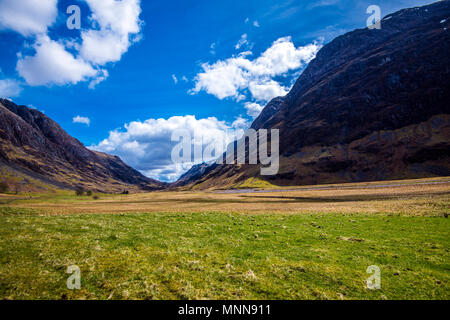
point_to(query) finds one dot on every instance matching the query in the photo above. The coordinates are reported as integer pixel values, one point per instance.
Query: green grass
(214, 256)
(255, 183)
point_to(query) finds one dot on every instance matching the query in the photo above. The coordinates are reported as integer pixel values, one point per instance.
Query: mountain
(373, 105)
(37, 154)
(193, 174)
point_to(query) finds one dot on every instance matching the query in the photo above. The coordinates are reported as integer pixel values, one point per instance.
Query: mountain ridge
(36, 147)
(372, 105)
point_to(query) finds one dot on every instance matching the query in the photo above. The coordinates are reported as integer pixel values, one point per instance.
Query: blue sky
(166, 40)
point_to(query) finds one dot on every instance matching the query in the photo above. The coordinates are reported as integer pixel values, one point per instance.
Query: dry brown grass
(408, 199)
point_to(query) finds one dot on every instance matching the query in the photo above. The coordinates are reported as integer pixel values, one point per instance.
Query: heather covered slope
(36, 154)
(373, 105)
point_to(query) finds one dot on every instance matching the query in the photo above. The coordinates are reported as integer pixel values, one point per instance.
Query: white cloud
(121, 17)
(255, 23)
(212, 48)
(241, 124)
(102, 76)
(102, 47)
(9, 88)
(83, 120)
(253, 109)
(52, 64)
(283, 56)
(242, 42)
(266, 89)
(231, 77)
(115, 27)
(147, 145)
(118, 21)
(28, 17)
(222, 79)
(176, 80)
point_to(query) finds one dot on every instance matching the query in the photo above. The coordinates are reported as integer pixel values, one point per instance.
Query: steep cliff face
(33, 145)
(373, 105)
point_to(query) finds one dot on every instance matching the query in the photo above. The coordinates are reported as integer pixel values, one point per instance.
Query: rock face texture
(36, 150)
(373, 105)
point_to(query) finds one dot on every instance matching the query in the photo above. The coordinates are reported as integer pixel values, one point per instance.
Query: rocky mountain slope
(36, 153)
(373, 105)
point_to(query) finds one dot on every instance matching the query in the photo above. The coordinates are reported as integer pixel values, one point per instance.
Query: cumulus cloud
(28, 17)
(253, 109)
(9, 88)
(117, 21)
(52, 64)
(282, 57)
(266, 89)
(115, 27)
(223, 79)
(233, 76)
(83, 120)
(102, 47)
(147, 145)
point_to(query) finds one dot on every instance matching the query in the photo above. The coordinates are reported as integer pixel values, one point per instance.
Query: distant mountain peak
(34, 147)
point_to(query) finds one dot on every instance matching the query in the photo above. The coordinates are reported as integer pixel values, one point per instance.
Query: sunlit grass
(222, 256)
(255, 183)
(303, 244)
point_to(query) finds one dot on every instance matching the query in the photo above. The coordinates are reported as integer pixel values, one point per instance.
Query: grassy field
(303, 244)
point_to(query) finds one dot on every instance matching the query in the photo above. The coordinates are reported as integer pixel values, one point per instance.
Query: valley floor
(306, 243)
